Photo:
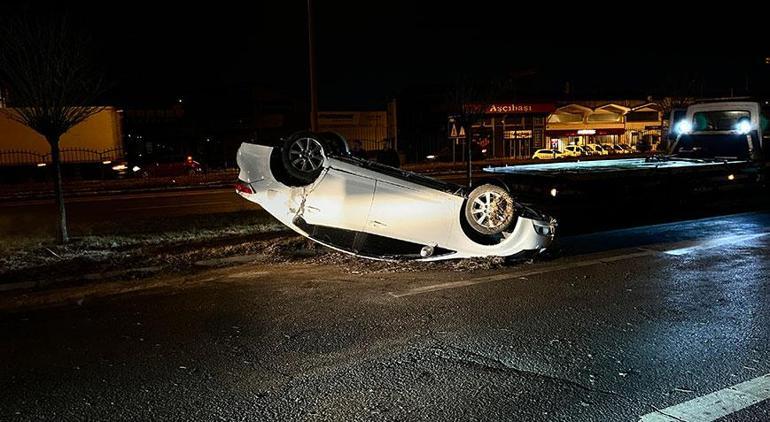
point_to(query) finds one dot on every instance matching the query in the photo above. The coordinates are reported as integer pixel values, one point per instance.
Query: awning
(574, 132)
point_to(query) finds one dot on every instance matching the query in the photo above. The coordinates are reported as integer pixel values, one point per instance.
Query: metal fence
(68, 155)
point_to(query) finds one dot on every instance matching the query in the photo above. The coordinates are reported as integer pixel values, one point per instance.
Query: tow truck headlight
(743, 127)
(683, 127)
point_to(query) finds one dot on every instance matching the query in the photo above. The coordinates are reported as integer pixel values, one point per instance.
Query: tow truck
(716, 160)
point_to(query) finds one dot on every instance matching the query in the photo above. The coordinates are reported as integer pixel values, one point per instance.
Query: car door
(340, 199)
(411, 212)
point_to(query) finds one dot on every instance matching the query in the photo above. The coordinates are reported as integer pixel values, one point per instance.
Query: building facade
(609, 123)
(517, 130)
(96, 139)
(507, 130)
(369, 128)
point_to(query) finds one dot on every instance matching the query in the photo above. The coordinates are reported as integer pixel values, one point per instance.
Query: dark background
(232, 63)
(224, 54)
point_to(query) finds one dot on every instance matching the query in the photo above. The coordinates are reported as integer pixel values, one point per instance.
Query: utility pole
(311, 66)
(468, 142)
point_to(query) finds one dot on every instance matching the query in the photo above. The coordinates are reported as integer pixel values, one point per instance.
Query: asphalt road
(619, 324)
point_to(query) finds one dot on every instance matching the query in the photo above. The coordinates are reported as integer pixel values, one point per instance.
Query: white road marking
(525, 273)
(715, 405)
(676, 249)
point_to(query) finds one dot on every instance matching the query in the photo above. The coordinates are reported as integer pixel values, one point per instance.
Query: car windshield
(718, 120)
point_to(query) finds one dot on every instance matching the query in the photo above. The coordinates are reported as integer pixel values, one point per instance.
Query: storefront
(560, 138)
(517, 130)
(513, 130)
(643, 125)
(607, 124)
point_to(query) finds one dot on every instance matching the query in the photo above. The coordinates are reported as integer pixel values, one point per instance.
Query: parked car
(167, 167)
(614, 149)
(547, 154)
(574, 151)
(313, 185)
(627, 148)
(596, 149)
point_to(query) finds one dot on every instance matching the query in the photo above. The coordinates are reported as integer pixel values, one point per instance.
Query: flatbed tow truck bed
(608, 166)
(615, 192)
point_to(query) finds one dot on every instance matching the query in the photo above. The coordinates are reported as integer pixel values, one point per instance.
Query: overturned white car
(312, 184)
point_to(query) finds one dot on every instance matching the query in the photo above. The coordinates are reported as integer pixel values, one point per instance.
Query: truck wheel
(489, 209)
(303, 155)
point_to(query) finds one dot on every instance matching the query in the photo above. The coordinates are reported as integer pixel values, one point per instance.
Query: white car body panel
(340, 199)
(355, 198)
(395, 204)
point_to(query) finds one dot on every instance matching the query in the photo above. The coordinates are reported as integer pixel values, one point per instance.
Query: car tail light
(243, 187)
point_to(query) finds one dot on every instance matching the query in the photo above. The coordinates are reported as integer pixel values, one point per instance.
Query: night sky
(224, 55)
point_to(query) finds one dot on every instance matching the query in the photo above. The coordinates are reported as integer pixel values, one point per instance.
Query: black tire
(336, 144)
(303, 155)
(489, 209)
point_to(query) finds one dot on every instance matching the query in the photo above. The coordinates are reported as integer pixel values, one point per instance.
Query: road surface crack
(474, 358)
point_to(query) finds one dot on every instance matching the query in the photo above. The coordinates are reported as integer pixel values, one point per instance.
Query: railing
(68, 155)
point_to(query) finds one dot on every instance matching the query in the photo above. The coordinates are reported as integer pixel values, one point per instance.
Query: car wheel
(489, 209)
(303, 155)
(336, 143)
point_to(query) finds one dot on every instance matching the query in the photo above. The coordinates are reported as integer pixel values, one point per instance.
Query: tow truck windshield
(718, 120)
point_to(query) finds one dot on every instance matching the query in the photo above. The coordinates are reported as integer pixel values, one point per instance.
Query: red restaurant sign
(514, 108)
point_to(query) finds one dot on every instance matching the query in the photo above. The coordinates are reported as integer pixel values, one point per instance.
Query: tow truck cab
(717, 130)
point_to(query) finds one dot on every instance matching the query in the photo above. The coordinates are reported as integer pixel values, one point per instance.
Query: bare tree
(51, 83)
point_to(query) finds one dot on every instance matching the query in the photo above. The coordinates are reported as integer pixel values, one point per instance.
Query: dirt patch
(172, 246)
(301, 250)
(159, 242)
